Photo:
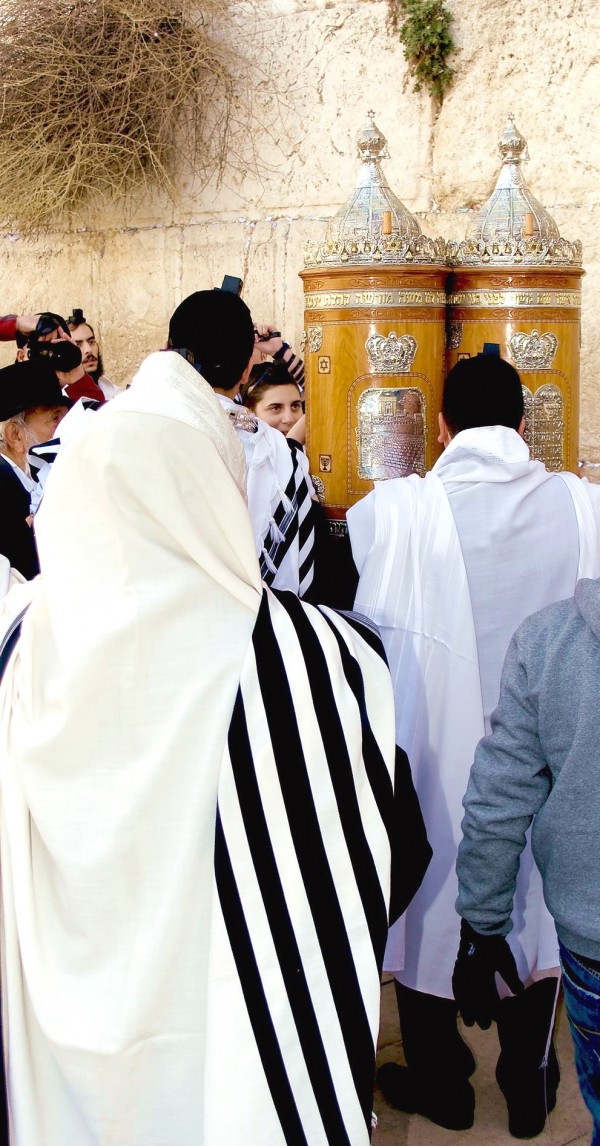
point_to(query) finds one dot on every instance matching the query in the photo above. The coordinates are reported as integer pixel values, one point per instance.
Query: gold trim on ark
(341, 300)
(482, 299)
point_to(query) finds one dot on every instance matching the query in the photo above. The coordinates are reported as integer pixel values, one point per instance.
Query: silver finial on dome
(512, 145)
(373, 226)
(371, 143)
(513, 227)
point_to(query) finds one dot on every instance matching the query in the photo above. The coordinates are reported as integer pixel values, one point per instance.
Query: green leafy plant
(424, 30)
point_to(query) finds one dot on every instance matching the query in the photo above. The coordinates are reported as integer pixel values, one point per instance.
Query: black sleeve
(17, 541)
(336, 576)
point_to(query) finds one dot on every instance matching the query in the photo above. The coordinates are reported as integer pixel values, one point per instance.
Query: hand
(26, 323)
(52, 328)
(67, 377)
(265, 344)
(298, 430)
(479, 958)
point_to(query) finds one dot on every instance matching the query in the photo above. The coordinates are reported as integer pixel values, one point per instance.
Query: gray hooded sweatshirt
(541, 763)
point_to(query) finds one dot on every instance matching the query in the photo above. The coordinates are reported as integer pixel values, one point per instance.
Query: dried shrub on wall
(97, 96)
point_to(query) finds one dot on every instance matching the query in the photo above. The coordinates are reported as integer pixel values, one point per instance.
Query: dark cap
(25, 385)
(216, 328)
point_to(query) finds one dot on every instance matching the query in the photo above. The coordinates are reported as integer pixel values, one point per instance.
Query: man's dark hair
(482, 391)
(215, 328)
(263, 377)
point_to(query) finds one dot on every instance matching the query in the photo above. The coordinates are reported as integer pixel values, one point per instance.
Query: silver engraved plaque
(454, 333)
(319, 487)
(315, 338)
(391, 433)
(545, 425)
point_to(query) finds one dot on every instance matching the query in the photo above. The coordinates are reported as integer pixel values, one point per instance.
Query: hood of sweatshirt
(587, 600)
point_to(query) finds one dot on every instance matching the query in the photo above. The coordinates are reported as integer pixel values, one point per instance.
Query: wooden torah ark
(534, 315)
(374, 354)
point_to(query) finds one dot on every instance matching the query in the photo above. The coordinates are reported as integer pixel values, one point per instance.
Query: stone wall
(316, 68)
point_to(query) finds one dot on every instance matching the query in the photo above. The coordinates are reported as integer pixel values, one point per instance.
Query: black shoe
(529, 1089)
(529, 1102)
(451, 1105)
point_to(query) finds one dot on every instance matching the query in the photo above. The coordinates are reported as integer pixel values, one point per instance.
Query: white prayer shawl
(279, 501)
(19, 597)
(108, 388)
(414, 585)
(126, 1018)
(41, 457)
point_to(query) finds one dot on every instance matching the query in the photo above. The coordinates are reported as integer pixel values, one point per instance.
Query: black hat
(25, 385)
(216, 327)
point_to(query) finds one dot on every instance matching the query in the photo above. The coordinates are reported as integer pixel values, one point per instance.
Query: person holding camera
(48, 337)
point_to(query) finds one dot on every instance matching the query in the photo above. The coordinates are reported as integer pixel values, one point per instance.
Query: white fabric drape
(114, 714)
(196, 803)
(449, 566)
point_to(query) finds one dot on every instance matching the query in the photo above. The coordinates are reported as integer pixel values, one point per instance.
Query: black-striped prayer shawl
(43, 455)
(291, 523)
(302, 854)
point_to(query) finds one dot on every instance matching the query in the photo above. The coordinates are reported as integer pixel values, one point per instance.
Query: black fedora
(26, 385)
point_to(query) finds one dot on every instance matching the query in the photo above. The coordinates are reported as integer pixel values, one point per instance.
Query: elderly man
(449, 567)
(31, 406)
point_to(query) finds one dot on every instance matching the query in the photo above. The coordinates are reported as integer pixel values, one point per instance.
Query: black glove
(49, 322)
(474, 983)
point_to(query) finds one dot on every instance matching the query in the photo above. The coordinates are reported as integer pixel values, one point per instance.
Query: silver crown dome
(373, 226)
(513, 227)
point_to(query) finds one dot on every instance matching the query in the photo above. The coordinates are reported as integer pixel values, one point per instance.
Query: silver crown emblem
(391, 355)
(533, 351)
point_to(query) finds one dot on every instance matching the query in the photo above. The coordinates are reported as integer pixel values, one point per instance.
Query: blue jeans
(582, 999)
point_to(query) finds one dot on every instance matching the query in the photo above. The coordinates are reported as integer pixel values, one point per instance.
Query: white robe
(123, 1015)
(449, 566)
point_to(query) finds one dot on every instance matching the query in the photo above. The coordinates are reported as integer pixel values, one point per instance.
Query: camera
(63, 356)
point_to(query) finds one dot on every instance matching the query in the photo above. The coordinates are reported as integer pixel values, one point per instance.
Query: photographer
(49, 338)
